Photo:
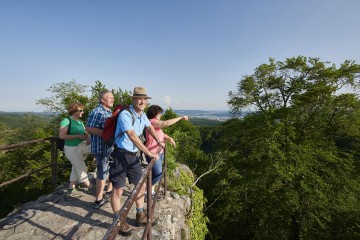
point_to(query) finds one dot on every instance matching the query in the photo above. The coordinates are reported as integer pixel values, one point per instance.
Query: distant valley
(212, 115)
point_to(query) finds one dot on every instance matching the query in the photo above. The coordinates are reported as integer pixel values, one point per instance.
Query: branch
(211, 169)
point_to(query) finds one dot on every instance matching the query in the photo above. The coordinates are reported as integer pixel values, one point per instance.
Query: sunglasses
(79, 110)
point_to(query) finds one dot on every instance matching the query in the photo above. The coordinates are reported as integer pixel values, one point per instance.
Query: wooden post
(149, 201)
(164, 172)
(54, 158)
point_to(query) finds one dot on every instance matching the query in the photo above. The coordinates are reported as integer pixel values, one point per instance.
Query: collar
(133, 111)
(103, 108)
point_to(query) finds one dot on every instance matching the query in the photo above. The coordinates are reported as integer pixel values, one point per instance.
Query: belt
(125, 151)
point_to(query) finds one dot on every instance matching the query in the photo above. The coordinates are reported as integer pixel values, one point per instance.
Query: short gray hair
(102, 93)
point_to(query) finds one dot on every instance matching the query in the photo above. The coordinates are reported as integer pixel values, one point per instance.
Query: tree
(292, 171)
(64, 93)
(275, 85)
(120, 96)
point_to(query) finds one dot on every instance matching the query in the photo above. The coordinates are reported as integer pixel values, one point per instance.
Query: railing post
(54, 158)
(165, 171)
(149, 204)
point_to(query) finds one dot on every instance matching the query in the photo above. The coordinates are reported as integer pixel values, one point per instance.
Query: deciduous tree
(294, 173)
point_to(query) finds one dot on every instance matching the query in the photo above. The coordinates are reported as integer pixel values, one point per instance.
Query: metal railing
(121, 216)
(54, 157)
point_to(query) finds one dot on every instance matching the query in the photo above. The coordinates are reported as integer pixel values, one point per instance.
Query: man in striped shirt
(95, 124)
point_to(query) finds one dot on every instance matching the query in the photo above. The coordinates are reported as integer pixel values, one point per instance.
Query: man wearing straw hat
(130, 126)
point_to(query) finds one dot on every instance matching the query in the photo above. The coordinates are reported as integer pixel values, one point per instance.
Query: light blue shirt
(125, 123)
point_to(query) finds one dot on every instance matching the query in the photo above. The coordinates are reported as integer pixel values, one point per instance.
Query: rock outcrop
(56, 217)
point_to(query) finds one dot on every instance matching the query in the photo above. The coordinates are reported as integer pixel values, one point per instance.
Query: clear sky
(187, 53)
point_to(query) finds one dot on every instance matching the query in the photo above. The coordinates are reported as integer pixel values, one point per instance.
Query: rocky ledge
(56, 217)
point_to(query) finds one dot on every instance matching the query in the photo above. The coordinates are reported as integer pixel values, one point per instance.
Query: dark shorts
(124, 165)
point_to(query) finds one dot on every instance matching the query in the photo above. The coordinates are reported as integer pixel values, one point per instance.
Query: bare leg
(87, 183)
(140, 199)
(72, 184)
(109, 187)
(116, 199)
(100, 184)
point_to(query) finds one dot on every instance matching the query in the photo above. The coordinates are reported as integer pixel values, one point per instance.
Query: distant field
(202, 122)
(213, 115)
(17, 119)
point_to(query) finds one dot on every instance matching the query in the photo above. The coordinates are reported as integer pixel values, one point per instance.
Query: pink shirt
(151, 144)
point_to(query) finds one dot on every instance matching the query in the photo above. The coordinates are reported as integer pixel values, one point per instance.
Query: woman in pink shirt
(154, 113)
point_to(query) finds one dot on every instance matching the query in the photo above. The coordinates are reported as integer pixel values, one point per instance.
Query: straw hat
(140, 92)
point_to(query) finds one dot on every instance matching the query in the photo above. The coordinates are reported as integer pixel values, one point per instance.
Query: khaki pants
(77, 155)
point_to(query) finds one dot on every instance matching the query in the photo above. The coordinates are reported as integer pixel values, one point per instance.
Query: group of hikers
(122, 160)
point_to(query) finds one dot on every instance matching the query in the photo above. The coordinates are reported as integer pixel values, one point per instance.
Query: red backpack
(108, 133)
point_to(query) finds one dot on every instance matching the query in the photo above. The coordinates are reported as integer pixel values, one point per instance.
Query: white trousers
(77, 155)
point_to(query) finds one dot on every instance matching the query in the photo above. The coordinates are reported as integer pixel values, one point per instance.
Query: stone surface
(54, 217)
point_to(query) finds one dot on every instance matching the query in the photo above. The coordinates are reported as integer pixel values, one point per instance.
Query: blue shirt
(97, 119)
(125, 123)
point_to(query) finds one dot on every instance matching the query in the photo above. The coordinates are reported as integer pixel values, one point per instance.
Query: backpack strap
(68, 131)
(132, 116)
(133, 122)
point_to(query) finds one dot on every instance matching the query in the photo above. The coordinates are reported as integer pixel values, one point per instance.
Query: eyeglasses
(79, 110)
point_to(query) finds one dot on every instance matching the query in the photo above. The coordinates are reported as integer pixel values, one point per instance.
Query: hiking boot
(86, 189)
(82, 186)
(125, 229)
(141, 219)
(73, 193)
(100, 203)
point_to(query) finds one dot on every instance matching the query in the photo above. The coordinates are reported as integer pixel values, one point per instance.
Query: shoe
(86, 189)
(73, 193)
(100, 203)
(141, 219)
(125, 229)
(82, 186)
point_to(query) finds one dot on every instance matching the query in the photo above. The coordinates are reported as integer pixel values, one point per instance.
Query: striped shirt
(97, 119)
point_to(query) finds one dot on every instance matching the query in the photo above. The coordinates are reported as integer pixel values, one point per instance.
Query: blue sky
(188, 54)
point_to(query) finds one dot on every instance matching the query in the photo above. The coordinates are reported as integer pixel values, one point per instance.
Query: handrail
(54, 164)
(122, 214)
(147, 234)
(23, 176)
(13, 146)
(54, 156)
(151, 205)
